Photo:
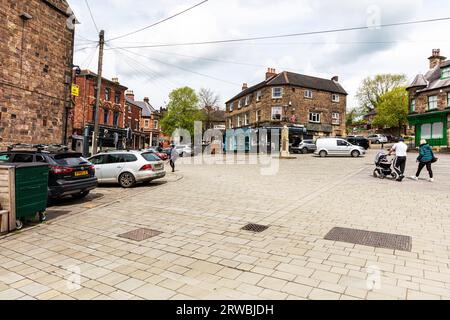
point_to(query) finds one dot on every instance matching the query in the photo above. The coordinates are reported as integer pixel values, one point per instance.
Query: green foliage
(392, 111)
(372, 89)
(182, 111)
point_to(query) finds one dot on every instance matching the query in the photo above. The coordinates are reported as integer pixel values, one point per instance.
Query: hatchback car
(162, 155)
(184, 150)
(128, 168)
(305, 147)
(70, 174)
(378, 138)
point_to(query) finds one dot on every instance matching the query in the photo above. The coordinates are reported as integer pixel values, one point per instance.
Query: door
(113, 167)
(99, 162)
(343, 147)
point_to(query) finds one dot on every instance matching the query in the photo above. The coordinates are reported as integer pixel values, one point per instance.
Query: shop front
(433, 126)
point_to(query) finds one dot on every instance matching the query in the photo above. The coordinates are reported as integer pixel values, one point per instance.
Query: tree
(372, 89)
(209, 102)
(392, 110)
(182, 111)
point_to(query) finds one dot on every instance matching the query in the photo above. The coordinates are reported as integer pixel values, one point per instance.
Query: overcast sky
(352, 55)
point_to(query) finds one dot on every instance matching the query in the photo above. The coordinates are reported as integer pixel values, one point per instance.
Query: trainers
(431, 180)
(414, 178)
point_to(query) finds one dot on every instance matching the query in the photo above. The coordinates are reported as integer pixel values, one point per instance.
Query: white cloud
(401, 49)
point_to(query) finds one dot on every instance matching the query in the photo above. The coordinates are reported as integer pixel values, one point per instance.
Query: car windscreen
(150, 156)
(70, 159)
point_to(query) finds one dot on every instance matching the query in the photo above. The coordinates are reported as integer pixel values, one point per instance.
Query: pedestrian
(401, 153)
(426, 159)
(173, 157)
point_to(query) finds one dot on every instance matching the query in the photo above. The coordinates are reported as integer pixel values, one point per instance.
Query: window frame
(308, 94)
(445, 73)
(412, 105)
(336, 118)
(274, 90)
(105, 116)
(448, 99)
(318, 116)
(107, 94)
(258, 116)
(335, 98)
(259, 96)
(247, 100)
(280, 113)
(429, 102)
(246, 119)
(231, 106)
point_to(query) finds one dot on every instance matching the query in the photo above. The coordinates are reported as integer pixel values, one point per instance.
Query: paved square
(203, 253)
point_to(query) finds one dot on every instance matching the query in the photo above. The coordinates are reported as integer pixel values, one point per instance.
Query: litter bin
(27, 191)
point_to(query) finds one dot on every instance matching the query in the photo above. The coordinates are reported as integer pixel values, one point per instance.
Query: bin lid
(23, 165)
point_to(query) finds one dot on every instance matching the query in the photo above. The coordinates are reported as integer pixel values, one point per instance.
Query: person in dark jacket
(173, 157)
(425, 159)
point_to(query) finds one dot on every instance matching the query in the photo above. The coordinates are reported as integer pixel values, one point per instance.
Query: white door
(112, 168)
(343, 147)
(99, 162)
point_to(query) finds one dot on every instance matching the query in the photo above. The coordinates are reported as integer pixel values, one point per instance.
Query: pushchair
(384, 167)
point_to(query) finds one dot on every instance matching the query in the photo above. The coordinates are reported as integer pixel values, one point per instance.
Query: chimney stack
(436, 59)
(335, 79)
(115, 80)
(147, 100)
(244, 86)
(270, 73)
(130, 95)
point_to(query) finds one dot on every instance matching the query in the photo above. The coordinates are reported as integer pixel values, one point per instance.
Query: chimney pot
(270, 73)
(244, 86)
(130, 95)
(146, 99)
(115, 80)
(335, 79)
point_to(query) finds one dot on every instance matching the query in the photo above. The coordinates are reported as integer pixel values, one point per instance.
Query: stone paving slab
(203, 253)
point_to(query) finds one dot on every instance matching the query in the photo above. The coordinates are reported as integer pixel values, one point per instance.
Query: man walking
(401, 152)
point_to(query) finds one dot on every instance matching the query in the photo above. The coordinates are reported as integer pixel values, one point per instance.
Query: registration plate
(81, 173)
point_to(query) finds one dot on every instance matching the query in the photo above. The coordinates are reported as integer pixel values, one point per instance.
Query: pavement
(202, 253)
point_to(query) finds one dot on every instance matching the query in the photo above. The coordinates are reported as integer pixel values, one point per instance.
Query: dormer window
(445, 74)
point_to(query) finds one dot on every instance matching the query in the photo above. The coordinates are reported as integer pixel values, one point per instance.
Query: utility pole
(97, 97)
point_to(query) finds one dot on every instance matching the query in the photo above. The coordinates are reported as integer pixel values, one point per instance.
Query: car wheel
(355, 154)
(80, 195)
(127, 180)
(305, 151)
(323, 154)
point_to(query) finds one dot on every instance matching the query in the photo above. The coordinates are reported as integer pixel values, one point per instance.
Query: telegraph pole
(97, 97)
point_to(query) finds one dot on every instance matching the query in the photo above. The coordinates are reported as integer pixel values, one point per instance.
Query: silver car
(305, 147)
(127, 167)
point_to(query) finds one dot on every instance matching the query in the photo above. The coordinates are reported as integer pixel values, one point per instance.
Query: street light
(286, 109)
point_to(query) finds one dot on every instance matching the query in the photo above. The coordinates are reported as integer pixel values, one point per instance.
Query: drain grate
(255, 228)
(371, 239)
(140, 234)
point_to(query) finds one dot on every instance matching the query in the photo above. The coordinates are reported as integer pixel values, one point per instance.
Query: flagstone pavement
(202, 253)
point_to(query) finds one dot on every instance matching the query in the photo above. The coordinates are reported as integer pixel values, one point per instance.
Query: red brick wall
(32, 77)
(132, 117)
(84, 103)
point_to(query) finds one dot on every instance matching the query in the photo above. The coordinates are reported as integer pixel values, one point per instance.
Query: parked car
(162, 155)
(359, 141)
(306, 146)
(184, 150)
(128, 168)
(378, 138)
(392, 139)
(70, 174)
(337, 147)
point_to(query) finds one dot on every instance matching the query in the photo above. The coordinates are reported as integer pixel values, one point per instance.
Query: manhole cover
(140, 234)
(255, 228)
(371, 239)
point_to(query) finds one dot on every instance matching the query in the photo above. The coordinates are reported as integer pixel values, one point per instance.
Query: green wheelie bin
(31, 191)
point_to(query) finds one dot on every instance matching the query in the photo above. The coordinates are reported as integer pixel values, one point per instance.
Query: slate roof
(147, 108)
(295, 79)
(86, 73)
(433, 79)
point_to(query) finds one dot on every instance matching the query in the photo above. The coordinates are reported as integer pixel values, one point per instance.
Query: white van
(338, 147)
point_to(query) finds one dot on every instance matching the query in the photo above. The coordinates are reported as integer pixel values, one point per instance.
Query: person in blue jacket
(425, 159)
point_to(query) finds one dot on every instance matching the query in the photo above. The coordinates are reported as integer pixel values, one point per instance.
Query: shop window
(426, 131)
(437, 130)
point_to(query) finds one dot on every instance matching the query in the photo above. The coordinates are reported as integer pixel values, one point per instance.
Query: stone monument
(285, 143)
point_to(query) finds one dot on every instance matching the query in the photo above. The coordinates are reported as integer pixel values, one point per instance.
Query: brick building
(112, 111)
(150, 118)
(290, 99)
(132, 119)
(36, 51)
(429, 99)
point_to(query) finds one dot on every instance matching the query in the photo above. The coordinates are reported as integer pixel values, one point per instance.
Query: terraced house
(429, 98)
(291, 99)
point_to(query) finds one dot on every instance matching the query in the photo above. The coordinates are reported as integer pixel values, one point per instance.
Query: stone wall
(35, 60)
(301, 107)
